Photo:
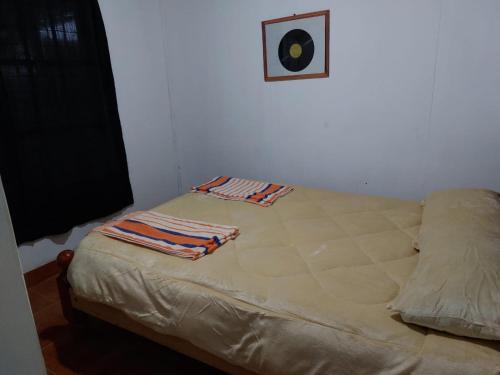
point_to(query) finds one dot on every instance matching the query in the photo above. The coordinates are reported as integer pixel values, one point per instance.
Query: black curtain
(62, 157)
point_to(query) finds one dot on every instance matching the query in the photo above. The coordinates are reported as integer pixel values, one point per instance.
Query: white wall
(20, 351)
(464, 139)
(412, 103)
(135, 35)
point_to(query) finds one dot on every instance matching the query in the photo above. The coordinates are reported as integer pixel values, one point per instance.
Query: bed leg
(74, 317)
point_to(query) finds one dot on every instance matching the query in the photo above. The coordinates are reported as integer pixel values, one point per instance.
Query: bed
(302, 290)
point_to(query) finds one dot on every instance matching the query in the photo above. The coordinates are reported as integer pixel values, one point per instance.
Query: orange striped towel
(240, 189)
(170, 235)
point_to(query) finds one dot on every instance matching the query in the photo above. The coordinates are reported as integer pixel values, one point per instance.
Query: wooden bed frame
(76, 308)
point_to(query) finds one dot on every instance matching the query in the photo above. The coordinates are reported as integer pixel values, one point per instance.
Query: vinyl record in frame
(296, 47)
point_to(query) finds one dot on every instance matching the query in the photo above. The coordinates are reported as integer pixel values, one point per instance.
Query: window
(62, 156)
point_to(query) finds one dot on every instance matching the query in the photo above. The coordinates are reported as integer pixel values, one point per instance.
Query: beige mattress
(302, 290)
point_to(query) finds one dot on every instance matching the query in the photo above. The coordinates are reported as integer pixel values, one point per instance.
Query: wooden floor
(101, 348)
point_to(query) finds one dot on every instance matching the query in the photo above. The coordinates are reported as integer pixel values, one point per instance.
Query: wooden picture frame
(270, 76)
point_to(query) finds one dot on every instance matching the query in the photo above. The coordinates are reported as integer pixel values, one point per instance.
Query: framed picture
(296, 47)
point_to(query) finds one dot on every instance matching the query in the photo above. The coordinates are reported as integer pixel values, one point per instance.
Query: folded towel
(170, 235)
(240, 189)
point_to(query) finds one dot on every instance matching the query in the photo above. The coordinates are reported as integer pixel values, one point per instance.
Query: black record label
(296, 50)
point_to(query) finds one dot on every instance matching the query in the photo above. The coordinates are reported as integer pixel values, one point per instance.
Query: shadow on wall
(33, 254)
(61, 239)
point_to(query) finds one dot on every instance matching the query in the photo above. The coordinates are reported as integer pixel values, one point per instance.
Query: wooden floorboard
(40, 274)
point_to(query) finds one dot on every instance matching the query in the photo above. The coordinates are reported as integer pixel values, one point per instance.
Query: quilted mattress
(302, 290)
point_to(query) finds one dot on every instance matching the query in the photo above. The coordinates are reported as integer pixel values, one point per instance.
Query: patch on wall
(296, 47)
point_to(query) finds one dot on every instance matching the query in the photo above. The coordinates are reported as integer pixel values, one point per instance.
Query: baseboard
(41, 273)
